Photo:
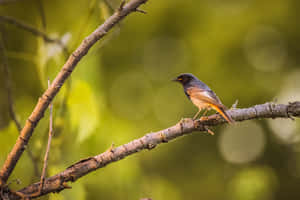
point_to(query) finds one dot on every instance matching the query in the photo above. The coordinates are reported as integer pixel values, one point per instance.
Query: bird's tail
(222, 110)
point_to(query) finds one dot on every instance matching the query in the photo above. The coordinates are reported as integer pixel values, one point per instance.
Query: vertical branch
(7, 82)
(48, 145)
(11, 107)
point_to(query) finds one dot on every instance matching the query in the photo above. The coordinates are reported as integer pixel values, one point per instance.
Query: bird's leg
(197, 114)
(203, 115)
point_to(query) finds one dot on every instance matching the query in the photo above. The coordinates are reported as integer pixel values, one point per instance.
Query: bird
(202, 96)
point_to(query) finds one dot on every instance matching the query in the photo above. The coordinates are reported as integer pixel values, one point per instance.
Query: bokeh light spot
(256, 183)
(285, 130)
(242, 143)
(265, 49)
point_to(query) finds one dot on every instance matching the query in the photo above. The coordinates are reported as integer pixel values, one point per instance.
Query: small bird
(201, 95)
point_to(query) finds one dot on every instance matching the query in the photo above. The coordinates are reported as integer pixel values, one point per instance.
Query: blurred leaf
(8, 137)
(84, 109)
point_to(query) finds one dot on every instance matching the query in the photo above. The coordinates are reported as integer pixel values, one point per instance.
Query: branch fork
(60, 79)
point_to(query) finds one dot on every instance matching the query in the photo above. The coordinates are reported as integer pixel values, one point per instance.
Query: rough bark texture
(51, 92)
(59, 181)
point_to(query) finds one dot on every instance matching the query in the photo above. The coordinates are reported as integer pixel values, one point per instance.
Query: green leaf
(84, 109)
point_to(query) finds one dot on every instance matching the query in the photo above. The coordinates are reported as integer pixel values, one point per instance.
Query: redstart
(201, 95)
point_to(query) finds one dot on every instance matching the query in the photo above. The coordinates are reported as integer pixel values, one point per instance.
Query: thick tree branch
(51, 92)
(59, 181)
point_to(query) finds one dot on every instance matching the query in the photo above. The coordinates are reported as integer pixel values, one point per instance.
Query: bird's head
(185, 78)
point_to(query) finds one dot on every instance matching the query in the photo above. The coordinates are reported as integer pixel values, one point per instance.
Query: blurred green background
(245, 50)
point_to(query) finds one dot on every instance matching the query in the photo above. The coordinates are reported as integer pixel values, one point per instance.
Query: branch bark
(59, 181)
(51, 92)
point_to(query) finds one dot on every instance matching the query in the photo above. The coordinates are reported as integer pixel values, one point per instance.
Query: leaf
(84, 109)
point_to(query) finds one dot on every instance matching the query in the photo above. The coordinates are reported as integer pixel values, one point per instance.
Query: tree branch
(34, 31)
(28, 28)
(48, 145)
(59, 181)
(51, 92)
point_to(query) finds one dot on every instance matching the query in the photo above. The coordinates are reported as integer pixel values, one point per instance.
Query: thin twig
(48, 145)
(141, 11)
(11, 107)
(121, 5)
(57, 83)
(33, 30)
(59, 181)
(28, 28)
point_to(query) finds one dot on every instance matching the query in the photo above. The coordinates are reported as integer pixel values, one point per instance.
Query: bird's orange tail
(222, 111)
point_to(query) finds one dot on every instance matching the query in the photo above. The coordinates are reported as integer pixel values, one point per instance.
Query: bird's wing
(207, 96)
(210, 98)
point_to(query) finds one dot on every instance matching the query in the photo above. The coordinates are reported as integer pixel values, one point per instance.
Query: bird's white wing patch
(207, 94)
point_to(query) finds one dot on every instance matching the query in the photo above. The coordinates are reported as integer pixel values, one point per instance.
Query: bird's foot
(203, 118)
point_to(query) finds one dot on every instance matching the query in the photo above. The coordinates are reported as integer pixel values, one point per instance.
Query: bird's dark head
(185, 79)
